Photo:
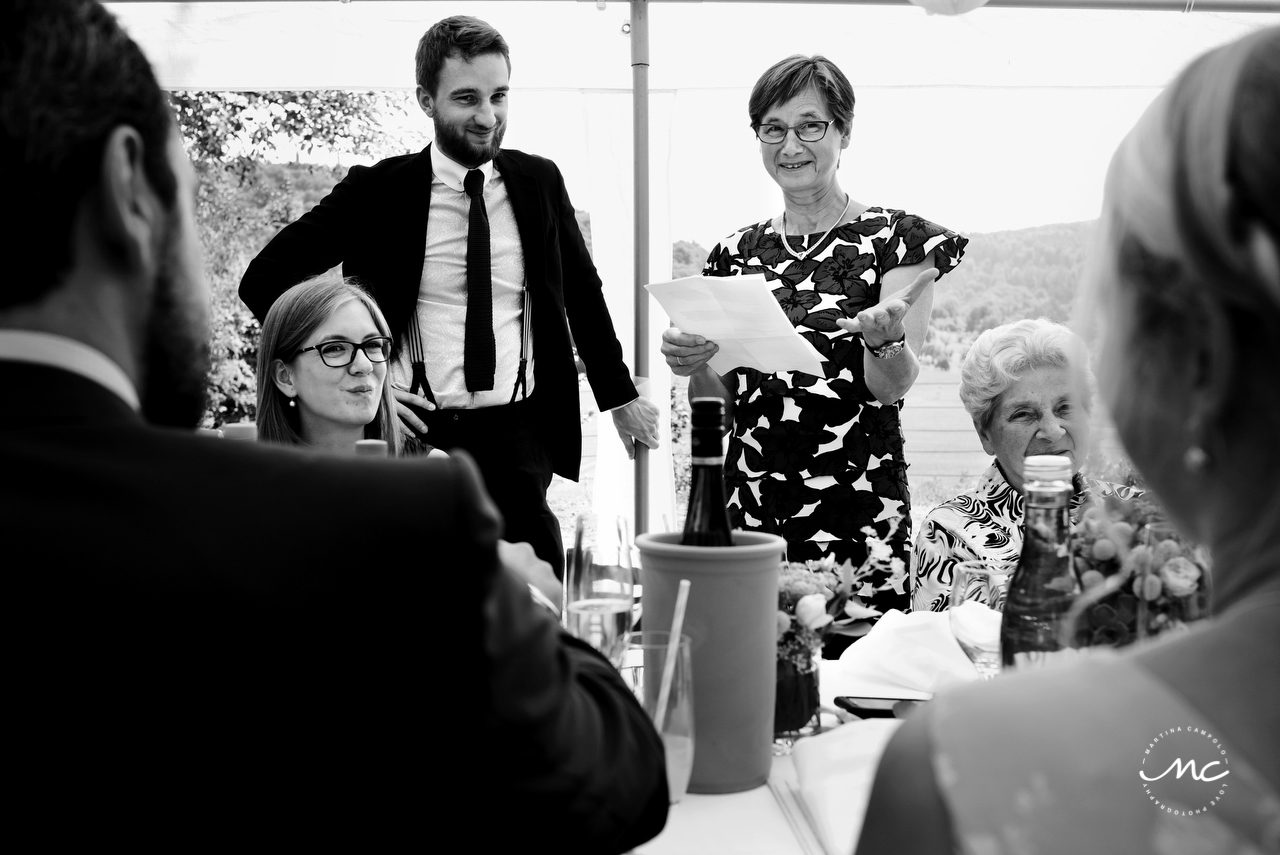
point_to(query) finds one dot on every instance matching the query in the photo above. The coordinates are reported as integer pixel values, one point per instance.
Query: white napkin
(835, 770)
(903, 656)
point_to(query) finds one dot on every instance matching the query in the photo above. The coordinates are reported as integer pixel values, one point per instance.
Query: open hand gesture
(883, 322)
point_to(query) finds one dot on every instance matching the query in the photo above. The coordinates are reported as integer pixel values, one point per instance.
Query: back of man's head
(460, 36)
(68, 76)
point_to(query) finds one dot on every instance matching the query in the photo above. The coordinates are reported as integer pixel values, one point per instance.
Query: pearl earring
(1195, 459)
(293, 403)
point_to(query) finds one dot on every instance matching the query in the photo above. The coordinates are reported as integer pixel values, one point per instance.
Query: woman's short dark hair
(69, 76)
(461, 36)
(789, 77)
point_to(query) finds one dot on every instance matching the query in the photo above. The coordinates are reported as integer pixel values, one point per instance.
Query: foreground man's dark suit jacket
(214, 640)
(375, 224)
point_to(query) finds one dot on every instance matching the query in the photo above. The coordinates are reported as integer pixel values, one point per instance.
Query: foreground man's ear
(130, 214)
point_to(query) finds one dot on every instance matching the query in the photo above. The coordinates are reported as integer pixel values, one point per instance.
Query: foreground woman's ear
(1213, 365)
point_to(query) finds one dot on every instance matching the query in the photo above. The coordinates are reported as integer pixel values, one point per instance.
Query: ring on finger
(680, 361)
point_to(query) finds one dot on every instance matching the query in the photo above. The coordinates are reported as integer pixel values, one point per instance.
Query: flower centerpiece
(1139, 576)
(817, 599)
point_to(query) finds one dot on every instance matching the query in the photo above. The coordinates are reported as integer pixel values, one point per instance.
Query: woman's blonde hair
(291, 320)
(1193, 192)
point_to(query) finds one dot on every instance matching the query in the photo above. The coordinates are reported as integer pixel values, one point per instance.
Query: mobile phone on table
(871, 707)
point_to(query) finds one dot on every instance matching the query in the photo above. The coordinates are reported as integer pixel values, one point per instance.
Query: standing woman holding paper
(816, 459)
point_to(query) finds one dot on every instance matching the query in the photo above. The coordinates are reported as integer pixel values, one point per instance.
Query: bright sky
(1000, 118)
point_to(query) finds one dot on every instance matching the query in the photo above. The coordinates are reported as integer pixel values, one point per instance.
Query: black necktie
(478, 353)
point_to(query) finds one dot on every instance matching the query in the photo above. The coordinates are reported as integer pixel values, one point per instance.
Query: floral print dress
(815, 459)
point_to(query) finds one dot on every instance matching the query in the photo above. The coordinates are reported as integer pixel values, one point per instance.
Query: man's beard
(453, 141)
(175, 359)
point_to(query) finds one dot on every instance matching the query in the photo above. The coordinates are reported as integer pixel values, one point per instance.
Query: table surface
(768, 820)
(774, 819)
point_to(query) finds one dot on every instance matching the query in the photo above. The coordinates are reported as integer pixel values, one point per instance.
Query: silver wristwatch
(889, 349)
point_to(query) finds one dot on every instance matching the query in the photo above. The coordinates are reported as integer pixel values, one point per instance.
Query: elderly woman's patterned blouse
(984, 523)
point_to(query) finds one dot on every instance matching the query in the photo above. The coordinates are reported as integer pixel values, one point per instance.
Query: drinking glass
(975, 610)
(646, 659)
(598, 588)
(1172, 581)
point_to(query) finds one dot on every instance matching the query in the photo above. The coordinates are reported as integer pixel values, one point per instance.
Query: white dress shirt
(57, 351)
(442, 293)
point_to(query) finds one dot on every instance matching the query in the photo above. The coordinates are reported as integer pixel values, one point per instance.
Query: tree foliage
(243, 201)
(687, 258)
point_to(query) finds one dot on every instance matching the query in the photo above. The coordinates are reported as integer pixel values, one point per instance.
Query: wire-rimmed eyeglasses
(340, 354)
(805, 132)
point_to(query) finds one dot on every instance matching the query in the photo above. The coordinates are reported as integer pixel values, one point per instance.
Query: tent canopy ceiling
(369, 44)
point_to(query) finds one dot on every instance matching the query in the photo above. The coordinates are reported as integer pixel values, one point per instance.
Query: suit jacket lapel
(401, 303)
(522, 190)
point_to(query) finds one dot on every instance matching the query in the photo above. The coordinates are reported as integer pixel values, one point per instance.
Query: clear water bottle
(243, 431)
(1043, 586)
(707, 521)
(372, 448)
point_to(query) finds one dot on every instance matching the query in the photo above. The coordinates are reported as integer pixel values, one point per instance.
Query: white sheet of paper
(740, 314)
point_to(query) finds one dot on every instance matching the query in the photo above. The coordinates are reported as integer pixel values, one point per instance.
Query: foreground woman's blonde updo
(1197, 181)
(1189, 257)
(1185, 290)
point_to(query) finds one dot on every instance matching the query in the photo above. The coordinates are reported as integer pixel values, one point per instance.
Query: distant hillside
(1005, 276)
(1023, 273)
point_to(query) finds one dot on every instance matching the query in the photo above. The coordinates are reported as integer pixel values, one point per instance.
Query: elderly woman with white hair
(1028, 391)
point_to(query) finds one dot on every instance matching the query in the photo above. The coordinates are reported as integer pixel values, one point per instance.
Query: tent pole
(640, 130)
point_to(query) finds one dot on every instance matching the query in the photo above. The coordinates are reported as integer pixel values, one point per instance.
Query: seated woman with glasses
(817, 459)
(322, 368)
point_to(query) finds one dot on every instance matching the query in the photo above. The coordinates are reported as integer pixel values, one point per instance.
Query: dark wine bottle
(1043, 585)
(707, 522)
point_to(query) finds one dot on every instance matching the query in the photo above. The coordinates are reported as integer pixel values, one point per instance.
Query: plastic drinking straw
(673, 649)
(571, 570)
(624, 544)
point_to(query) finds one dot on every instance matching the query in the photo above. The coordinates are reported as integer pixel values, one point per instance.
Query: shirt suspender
(417, 360)
(526, 312)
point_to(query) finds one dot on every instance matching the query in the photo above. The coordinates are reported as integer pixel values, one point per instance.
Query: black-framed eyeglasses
(340, 354)
(805, 132)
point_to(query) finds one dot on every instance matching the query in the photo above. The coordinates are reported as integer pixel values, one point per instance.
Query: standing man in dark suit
(211, 642)
(485, 354)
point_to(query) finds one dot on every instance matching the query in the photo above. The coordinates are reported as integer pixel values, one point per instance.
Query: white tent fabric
(1000, 118)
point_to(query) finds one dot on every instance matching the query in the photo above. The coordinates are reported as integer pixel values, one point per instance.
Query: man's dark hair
(461, 36)
(69, 75)
(789, 77)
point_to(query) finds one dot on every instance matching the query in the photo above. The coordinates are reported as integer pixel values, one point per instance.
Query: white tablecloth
(743, 823)
(819, 815)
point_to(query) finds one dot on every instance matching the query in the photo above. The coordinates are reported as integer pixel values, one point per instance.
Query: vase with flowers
(818, 599)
